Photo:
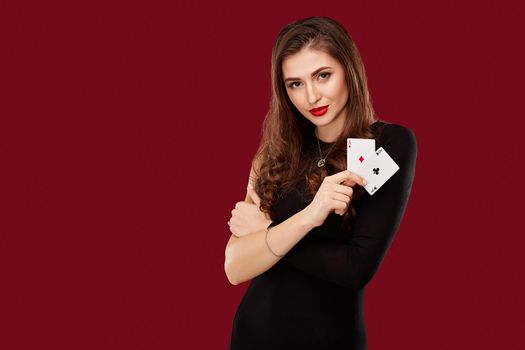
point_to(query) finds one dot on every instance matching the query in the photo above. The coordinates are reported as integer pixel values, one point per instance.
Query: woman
(328, 236)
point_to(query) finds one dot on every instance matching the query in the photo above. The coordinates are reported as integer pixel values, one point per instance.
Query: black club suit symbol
(376, 171)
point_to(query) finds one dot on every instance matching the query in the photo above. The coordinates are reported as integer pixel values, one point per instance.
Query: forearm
(248, 256)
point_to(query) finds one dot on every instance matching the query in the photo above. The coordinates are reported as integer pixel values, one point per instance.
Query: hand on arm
(247, 217)
(248, 256)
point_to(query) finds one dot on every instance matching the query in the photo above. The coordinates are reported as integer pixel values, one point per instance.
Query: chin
(322, 121)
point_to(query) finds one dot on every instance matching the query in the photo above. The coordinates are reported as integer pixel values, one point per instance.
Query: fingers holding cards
(348, 178)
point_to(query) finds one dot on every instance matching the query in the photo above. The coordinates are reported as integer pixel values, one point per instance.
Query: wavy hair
(286, 153)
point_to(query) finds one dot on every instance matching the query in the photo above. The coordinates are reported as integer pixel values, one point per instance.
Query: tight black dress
(312, 298)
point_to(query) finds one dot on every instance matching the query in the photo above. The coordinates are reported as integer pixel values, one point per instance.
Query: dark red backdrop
(127, 131)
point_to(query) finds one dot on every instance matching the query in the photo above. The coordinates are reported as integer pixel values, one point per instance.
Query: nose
(312, 95)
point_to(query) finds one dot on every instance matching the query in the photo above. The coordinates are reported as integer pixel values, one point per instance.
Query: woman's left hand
(247, 217)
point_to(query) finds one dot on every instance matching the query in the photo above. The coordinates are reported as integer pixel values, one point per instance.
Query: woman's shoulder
(399, 141)
(391, 132)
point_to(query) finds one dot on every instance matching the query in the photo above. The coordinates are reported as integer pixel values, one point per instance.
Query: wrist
(305, 219)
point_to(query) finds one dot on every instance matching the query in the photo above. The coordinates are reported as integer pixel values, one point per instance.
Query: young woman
(328, 236)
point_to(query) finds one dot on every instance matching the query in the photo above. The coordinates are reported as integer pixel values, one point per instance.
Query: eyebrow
(313, 73)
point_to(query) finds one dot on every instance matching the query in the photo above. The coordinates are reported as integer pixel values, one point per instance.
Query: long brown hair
(286, 152)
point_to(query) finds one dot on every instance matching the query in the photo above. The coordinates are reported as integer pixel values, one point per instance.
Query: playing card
(377, 170)
(358, 151)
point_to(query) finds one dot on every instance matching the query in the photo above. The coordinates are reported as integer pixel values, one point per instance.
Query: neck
(326, 137)
(330, 132)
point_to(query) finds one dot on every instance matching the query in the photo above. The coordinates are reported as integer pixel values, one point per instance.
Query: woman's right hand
(333, 195)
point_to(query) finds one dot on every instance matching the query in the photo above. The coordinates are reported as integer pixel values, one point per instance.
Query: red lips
(319, 111)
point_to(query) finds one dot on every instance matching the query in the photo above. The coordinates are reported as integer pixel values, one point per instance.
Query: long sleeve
(353, 264)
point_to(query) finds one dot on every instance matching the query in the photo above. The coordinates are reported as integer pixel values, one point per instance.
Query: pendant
(320, 163)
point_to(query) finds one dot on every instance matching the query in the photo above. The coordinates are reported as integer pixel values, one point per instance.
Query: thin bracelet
(266, 239)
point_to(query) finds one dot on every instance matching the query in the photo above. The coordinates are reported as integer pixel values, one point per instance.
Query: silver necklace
(322, 161)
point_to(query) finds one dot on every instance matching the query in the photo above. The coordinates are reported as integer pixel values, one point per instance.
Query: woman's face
(309, 86)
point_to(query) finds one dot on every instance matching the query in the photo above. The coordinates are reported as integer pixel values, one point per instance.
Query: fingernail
(364, 182)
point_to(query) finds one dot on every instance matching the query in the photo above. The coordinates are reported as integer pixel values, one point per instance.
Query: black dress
(312, 298)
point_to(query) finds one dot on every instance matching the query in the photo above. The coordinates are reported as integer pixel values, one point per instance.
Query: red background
(127, 131)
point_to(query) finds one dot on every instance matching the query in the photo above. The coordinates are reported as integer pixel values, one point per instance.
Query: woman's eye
(324, 74)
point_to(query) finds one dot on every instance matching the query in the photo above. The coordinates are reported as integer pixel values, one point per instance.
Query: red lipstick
(319, 111)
